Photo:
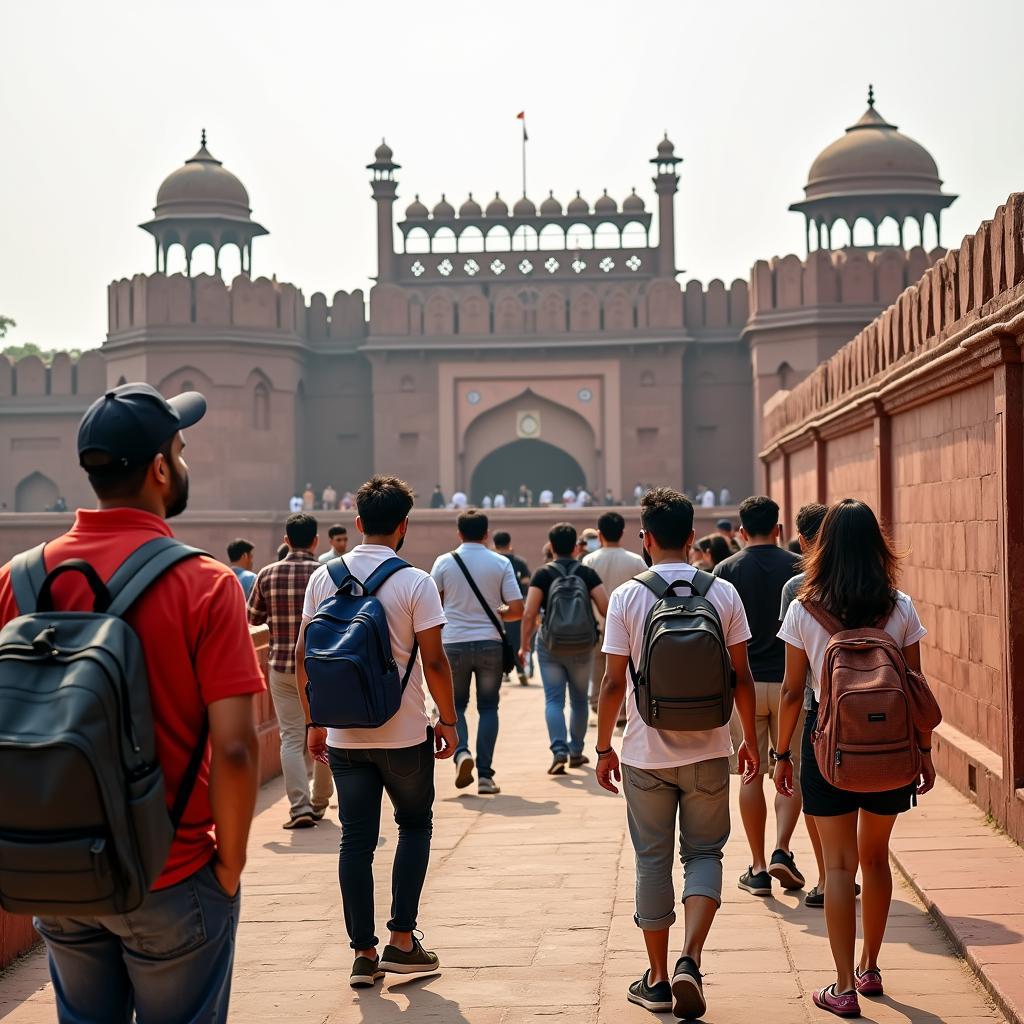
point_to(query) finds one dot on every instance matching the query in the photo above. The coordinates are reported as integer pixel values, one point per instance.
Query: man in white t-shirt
(399, 755)
(473, 642)
(547, 498)
(672, 775)
(459, 499)
(295, 503)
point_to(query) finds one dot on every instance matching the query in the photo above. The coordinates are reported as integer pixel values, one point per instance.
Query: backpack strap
(560, 569)
(654, 582)
(701, 582)
(28, 570)
(825, 619)
(373, 583)
(338, 570)
(188, 780)
(488, 610)
(142, 568)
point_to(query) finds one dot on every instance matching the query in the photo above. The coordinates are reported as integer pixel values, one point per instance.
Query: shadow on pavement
(424, 1004)
(507, 805)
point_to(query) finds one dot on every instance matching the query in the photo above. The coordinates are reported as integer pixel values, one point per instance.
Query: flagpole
(524, 156)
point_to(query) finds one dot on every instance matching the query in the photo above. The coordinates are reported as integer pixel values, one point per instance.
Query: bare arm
(513, 611)
(613, 689)
(912, 656)
(438, 675)
(531, 610)
(746, 707)
(234, 780)
(600, 598)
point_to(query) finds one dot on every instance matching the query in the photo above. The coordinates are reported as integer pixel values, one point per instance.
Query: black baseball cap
(130, 423)
(724, 524)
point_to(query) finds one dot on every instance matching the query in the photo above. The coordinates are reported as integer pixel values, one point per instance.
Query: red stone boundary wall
(16, 932)
(922, 416)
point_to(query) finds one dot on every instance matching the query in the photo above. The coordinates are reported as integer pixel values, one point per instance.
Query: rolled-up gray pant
(697, 797)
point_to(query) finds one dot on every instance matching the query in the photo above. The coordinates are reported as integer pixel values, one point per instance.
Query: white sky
(99, 101)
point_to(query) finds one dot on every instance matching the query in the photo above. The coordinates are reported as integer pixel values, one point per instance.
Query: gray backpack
(84, 826)
(685, 681)
(569, 627)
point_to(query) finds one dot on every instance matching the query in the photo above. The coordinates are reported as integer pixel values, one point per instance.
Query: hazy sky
(99, 101)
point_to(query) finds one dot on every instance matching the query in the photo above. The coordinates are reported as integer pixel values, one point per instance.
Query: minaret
(384, 189)
(666, 184)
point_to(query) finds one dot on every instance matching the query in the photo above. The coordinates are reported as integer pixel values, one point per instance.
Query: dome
(632, 203)
(202, 187)
(605, 204)
(470, 208)
(444, 210)
(497, 207)
(416, 210)
(524, 208)
(577, 206)
(872, 157)
(551, 207)
(383, 153)
(666, 149)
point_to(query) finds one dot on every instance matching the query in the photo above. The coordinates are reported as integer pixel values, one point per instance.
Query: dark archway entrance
(537, 464)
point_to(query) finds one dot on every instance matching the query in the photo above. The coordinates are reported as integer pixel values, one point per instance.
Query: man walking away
(513, 630)
(670, 775)
(564, 665)
(614, 564)
(338, 537)
(437, 497)
(474, 639)
(724, 527)
(240, 558)
(759, 573)
(277, 599)
(397, 757)
(172, 957)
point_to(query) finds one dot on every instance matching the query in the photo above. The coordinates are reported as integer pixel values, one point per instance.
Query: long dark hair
(716, 546)
(852, 569)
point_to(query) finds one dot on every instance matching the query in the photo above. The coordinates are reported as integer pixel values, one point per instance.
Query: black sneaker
(416, 961)
(656, 998)
(558, 765)
(816, 897)
(759, 884)
(687, 990)
(578, 760)
(365, 972)
(464, 771)
(783, 867)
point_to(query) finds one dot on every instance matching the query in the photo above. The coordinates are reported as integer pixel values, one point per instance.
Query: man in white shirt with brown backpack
(676, 637)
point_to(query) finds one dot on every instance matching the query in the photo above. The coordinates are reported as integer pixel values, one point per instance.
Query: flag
(521, 116)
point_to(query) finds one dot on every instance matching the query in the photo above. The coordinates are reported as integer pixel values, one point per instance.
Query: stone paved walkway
(529, 904)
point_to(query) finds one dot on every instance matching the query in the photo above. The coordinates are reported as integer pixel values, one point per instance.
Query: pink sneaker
(844, 1005)
(869, 982)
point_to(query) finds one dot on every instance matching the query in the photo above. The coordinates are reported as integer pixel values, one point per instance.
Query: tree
(5, 323)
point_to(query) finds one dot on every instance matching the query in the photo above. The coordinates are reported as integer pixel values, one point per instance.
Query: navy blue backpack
(353, 680)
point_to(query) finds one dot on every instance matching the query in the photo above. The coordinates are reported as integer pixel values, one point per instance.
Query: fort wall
(922, 416)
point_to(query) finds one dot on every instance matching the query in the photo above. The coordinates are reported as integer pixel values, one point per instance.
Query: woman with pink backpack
(866, 751)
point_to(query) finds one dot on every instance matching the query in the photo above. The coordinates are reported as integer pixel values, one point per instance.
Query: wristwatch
(774, 756)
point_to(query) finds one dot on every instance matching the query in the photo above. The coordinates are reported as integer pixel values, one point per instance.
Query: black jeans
(360, 777)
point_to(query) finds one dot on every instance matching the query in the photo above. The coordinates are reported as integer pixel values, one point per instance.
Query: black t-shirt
(520, 568)
(545, 575)
(759, 572)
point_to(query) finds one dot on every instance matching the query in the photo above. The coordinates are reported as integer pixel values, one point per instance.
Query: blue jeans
(360, 778)
(484, 658)
(169, 962)
(558, 673)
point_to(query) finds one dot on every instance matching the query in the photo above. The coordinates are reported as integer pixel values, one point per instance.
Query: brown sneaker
(304, 819)
(417, 961)
(365, 972)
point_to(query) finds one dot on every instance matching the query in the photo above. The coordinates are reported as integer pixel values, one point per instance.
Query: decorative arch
(443, 241)
(498, 239)
(417, 241)
(579, 236)
(552, 237)
(184, 378)
(471, 240)
(606, 236)
(524, 238)
(35, 493)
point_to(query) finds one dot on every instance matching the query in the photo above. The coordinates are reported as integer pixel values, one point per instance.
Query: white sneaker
(487, 787)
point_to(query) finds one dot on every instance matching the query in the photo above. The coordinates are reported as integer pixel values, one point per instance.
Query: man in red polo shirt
(171, 959)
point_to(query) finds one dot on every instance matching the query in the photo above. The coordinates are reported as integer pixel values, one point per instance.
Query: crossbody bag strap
(28, 570)
(495, 621)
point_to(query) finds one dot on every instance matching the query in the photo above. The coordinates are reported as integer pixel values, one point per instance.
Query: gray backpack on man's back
(569, 626)
(685, 681)
(84, 826)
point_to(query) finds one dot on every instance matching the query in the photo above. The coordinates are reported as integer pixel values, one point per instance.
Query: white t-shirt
(294, 503)
(459, 500)
(499, 501)
(546, 497)
(805, 633)
(493, 575)
(707, 499)
(568, 496)
(643, 746)
(582, 497)
(486, 503)
(412, 604)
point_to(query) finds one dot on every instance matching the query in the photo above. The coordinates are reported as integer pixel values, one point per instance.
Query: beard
(179, 493)
(398, 546)
(646, 556)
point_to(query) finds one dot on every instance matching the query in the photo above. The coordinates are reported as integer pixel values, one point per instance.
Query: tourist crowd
(727, 655)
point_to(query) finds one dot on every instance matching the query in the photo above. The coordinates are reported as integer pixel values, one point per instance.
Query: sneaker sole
(849, 1014)
(365, 980)
(393, 968)
(789, 880)
(489, 792)
(557, 769)
(464, 773)
(687, 999)
(753, 890)
(649, 1004)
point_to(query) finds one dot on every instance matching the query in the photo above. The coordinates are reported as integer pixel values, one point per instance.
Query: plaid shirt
(276, 599)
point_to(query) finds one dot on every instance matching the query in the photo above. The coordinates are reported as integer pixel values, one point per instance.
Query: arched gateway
(537, 464)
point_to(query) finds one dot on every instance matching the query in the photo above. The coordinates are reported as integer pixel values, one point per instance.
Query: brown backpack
(871, 710)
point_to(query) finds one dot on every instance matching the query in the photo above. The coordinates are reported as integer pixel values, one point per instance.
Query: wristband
(604, 753)
(776, 756)
(925, 750)
(449, 725)
(311, 725)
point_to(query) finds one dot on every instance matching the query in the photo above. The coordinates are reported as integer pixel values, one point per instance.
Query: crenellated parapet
(714, 308)
(63, 377)
(951, 292)
(853, 277)
(149, 301)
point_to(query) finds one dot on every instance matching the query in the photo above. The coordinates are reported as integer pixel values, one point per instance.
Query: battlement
(64, 377)
(950, 294)
(713, 308)
(840, 277)
(159, 300)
